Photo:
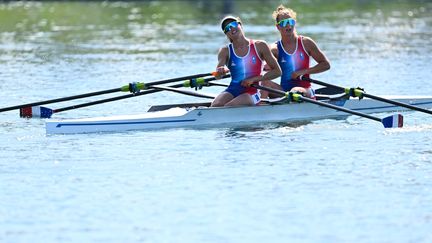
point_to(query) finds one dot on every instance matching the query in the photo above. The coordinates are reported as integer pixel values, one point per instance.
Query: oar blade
(36, 112)
(393, 121)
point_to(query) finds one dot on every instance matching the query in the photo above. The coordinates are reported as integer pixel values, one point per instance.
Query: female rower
(243, 58)
(293, 52)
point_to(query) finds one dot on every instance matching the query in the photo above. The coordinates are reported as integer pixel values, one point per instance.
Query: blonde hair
(283, 10)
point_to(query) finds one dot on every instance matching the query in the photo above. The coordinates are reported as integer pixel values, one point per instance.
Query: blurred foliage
(45, 16)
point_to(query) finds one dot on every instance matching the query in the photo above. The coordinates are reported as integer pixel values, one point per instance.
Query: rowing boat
(199, 115)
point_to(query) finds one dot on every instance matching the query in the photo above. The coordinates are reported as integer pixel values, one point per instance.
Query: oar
(126, 88)
(356, 92)
(45, 112)
(390, 121)
(212, 83)
(186, 92)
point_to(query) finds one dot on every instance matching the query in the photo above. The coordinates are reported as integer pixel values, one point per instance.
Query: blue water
(323, 181)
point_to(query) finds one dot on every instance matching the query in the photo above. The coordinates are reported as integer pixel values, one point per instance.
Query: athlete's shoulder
(307, 40)
(223, 49)
(260, 42)
(309, 44)
(274, 45)
(223, 55)
(261, 45)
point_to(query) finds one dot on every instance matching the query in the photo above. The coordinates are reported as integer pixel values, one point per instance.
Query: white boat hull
(200, 117)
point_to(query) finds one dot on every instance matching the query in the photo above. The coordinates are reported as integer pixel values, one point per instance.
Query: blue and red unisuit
(290, 63)
(242, 68)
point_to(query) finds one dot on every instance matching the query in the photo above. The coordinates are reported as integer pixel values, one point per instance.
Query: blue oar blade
(36, 111)
(393, 121)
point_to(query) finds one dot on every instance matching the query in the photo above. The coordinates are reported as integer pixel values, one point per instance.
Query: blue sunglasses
(231, 25)
(285, 22)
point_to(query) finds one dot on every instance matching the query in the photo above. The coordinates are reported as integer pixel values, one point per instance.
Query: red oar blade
(393, 121)
(36, 112)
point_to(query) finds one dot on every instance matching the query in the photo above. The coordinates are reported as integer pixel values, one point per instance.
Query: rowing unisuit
(290, 63)
(242, 68)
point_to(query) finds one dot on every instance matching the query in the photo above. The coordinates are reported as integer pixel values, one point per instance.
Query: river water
(324, 181)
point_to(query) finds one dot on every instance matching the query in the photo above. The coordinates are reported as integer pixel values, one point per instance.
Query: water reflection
(263, 130)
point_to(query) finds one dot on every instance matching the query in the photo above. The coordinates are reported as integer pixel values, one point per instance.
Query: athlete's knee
(217, 103)
(264, 94)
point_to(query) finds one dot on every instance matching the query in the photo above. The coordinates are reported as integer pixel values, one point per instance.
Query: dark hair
(228, 19)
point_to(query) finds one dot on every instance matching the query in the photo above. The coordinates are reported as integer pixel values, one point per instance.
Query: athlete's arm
(267, 56)
(221, 68)
(323, 63)
(274, 50)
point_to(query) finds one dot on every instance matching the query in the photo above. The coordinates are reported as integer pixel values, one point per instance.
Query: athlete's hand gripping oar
(356, 92)
(46, 112)
(125, 88)
(388, 122)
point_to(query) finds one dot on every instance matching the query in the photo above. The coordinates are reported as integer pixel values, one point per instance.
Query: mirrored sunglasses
(285, 22)
(230, 25)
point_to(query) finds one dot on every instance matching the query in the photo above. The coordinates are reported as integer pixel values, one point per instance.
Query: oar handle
(196, 76)
(199, 82)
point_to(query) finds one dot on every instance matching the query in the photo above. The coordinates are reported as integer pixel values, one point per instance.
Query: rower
(243, 58)
(293, 52)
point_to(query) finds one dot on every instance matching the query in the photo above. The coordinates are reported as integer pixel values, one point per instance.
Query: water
(324, 181)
